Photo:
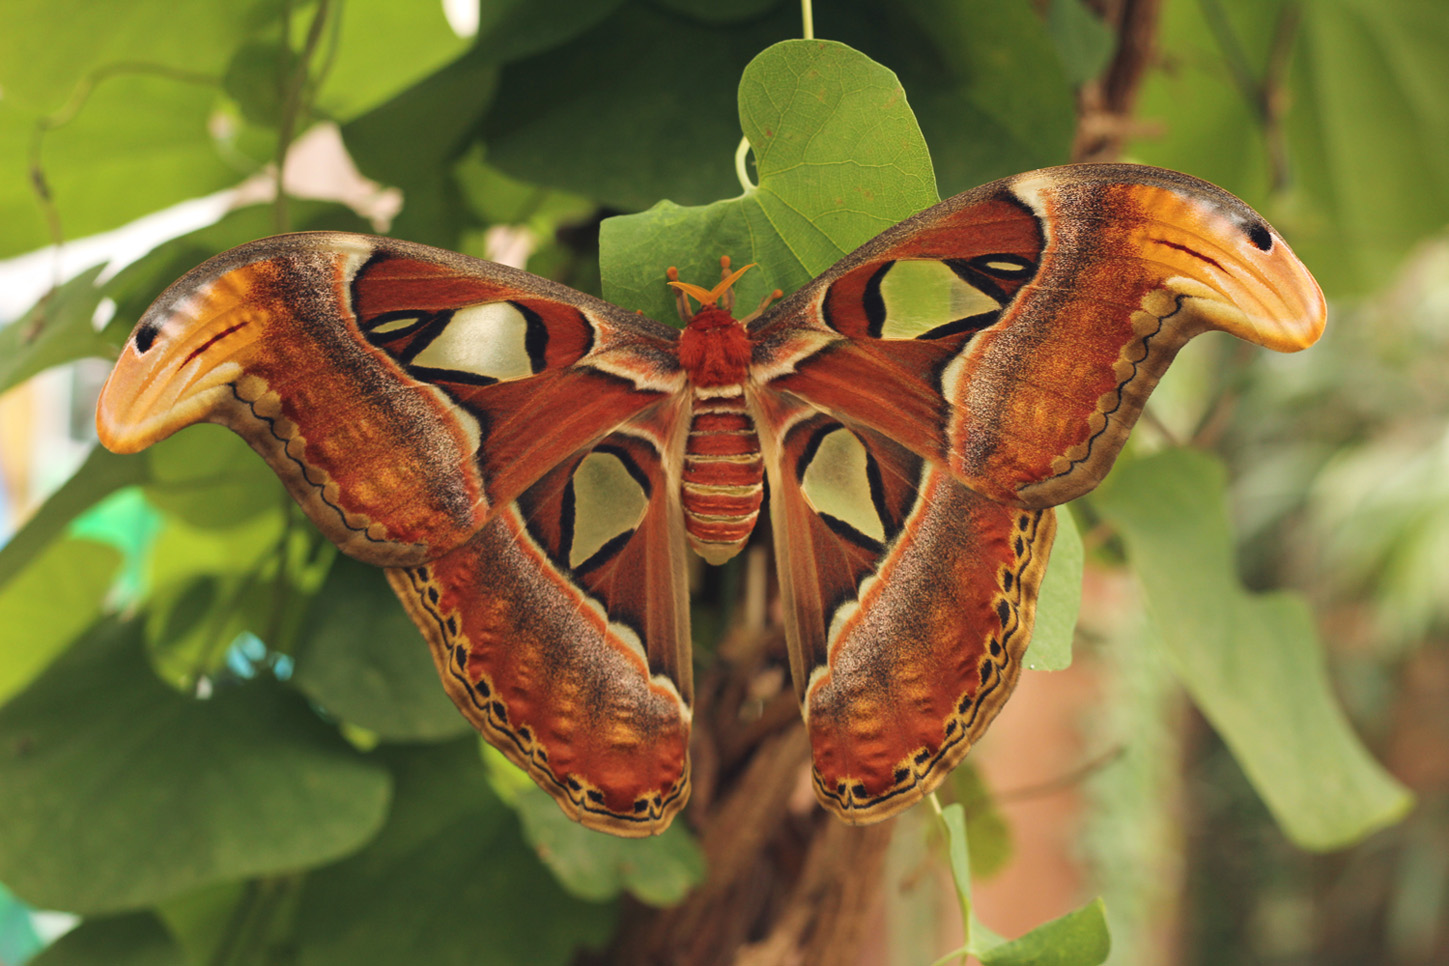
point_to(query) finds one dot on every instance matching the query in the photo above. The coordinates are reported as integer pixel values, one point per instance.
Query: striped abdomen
(723, 474)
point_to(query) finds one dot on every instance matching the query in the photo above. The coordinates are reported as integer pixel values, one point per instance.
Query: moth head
(1239, 275)
(1225, 267)
(707, 297)
(181, 360)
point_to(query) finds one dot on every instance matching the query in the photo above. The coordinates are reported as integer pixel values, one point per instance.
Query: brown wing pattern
(561, 629)
(512, 450)
(1018, 329)
(501, 441)
(909, 604)
(401, 392)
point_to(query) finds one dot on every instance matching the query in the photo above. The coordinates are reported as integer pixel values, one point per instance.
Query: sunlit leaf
(659, 870)
(58, 329)
(42, 57)
(841, 162)
(148, 793)
(1363, 142)
(1253, 664)
(48, 605)
(1060, 598)
(138, 143)
(382, 49)
(102, 474)
(1079, 938)
(137, 939)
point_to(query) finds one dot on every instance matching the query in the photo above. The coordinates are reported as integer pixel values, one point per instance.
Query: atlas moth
(532, 465)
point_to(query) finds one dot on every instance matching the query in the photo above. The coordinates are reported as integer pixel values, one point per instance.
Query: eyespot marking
(146, 337)
(1260, 236)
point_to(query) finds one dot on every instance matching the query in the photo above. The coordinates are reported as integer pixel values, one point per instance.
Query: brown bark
(786, 884)
(1105, 105)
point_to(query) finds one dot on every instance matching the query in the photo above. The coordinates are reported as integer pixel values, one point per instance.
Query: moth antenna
(727, 299)
(681, 300)
(764, 304)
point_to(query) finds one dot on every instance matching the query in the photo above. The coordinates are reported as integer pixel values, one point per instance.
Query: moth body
(532, 464)
(722, 485)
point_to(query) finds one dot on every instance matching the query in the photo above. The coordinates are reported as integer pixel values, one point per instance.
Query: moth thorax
(723, 476)
(715, 349)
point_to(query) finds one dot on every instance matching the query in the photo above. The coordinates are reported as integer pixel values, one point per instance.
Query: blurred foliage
(246, 758)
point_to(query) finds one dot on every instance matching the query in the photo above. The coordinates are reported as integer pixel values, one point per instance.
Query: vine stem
(293, 84)
(247, 930)
(1264, 98)
(743, 173)
(963, 889)
(67, 113)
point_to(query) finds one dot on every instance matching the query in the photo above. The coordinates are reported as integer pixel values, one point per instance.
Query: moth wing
(401, 392)
(1014, 332)
(909, 600)
(561, 629)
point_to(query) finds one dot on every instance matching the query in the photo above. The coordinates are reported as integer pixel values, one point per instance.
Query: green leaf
(100, 475)
(43, 55)
(1371, 136)
(254, 79)
(125, 521)
(1365, 134)
(407, 143)
(1220, 138)
(183, 550)
(451, 855)
(511, 30)
(120, 792)
(637, 109)
(1060, 599)
(48, 605)
(986, 828)
(1253, 664)
(659, 871)
(1080, 938)
(212, 584)
(360, 658)
(958, 855)
(57, 329)
(209, 477)
(984, 78)
(198, 920)
(137, 144)
(841, 161)
(383, 48)
(830, 129)
(713, 11)
(1083, 40)
(138, 939)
